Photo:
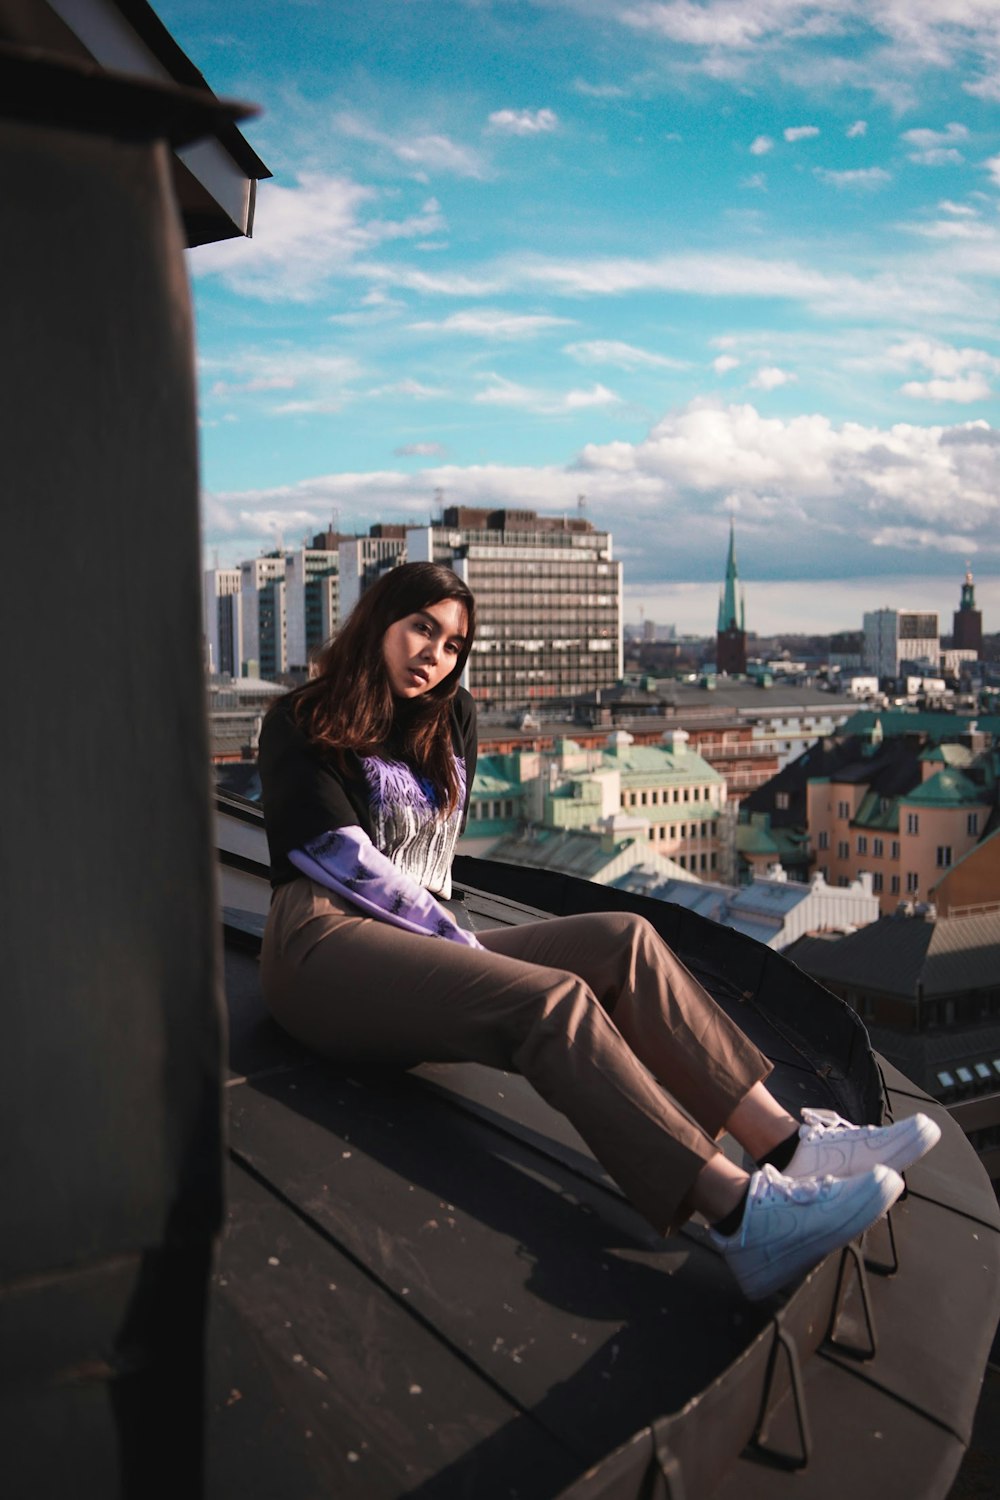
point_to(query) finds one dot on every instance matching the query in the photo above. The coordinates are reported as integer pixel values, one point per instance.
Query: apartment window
(913, 822)
(894, 852)
(843, 849)
(877, 882)
(843, 809)
(781, 801)
(714, 861)
(972, 823)
(862, 843)
(704, 861)
(643, 798)
(894, 885)
(878, 848)
(824, 840)
(687, 794)
(912, 882)
(943, 856)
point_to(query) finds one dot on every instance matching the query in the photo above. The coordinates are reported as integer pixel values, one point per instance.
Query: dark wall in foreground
(110, 1066)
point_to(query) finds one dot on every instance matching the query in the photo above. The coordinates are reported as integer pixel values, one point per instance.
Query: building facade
(222, 609)
(894, 636)
(312, 601)
(262, 585)
(548, 601)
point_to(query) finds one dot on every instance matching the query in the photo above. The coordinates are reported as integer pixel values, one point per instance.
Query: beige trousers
(595, 1011)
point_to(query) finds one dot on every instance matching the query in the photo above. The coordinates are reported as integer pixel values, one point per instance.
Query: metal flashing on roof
(215, 169)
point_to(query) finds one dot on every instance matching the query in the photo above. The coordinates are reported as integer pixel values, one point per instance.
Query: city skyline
(690, 261)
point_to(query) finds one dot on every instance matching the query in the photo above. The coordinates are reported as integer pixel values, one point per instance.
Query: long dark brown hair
(349, 704)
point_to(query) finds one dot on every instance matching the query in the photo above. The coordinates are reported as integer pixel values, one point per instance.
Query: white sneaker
(832, 1147)
(789, 1225)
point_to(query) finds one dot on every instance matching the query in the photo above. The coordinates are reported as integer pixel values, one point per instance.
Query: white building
(262, 584)
(893, 636)
(311, 602)
(222, 613)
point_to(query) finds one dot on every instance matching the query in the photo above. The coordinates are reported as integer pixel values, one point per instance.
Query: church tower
(731, 636)
(967, 621)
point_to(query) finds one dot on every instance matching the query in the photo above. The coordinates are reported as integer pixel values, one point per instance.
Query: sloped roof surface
(896, 954)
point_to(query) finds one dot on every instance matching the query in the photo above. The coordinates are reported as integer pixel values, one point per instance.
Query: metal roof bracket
(884, 1267)
(759, 1442)
(840, 1317)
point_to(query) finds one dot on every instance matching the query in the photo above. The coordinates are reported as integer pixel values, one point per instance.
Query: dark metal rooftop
(428, 1287)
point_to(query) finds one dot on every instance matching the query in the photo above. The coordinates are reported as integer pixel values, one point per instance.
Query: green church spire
(730, 617)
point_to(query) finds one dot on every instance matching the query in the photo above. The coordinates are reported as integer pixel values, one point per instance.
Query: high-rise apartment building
(894, 636)
(222, 605)
(548, 601)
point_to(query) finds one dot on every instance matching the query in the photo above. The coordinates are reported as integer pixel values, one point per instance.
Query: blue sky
(687, 260)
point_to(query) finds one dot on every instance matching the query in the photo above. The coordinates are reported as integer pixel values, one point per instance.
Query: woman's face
(421, 649)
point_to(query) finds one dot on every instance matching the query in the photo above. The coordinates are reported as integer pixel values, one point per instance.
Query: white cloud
(960, 210)
(622, 356)
(492, 323)
(723, 363)
(771, 378)
(523, 121)
(757, 181)
(801, 132)
(962, 388)
(831, 490)
(864, 178)
(420, 450)
(859, 128)
(322, 380)
(936, 148)
(992, 165)
(306, 235)
(761, 145)
(940, 359)
(414, 389)
(503, 392)
(599, 90)
(423, 151)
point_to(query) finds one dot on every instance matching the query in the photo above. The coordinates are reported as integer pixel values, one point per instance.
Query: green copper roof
(878, 813)
(947, 788)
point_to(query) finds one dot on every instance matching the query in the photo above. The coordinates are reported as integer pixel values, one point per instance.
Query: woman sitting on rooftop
(366, 772)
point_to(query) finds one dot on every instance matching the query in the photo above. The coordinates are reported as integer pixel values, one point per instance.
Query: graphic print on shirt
(406, 826)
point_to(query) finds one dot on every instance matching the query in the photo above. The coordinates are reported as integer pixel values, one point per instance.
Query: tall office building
(894, 636)
(967, 620)
(363, 559)
(731, 635)
(548, 601)
(265, 646)
(222, 605)
(311, 601)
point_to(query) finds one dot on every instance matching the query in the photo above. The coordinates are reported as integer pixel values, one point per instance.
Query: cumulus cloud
(723, 363)
(858, 177)
(771, 378)
(962, 388)
(801, 132)
(523, 121)
(305, 236)
(936, 148)
(859, 128)
(992, 165)
(939, 358)
(622, 356)
(757, 181)
(420, 450)
(761, 145)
